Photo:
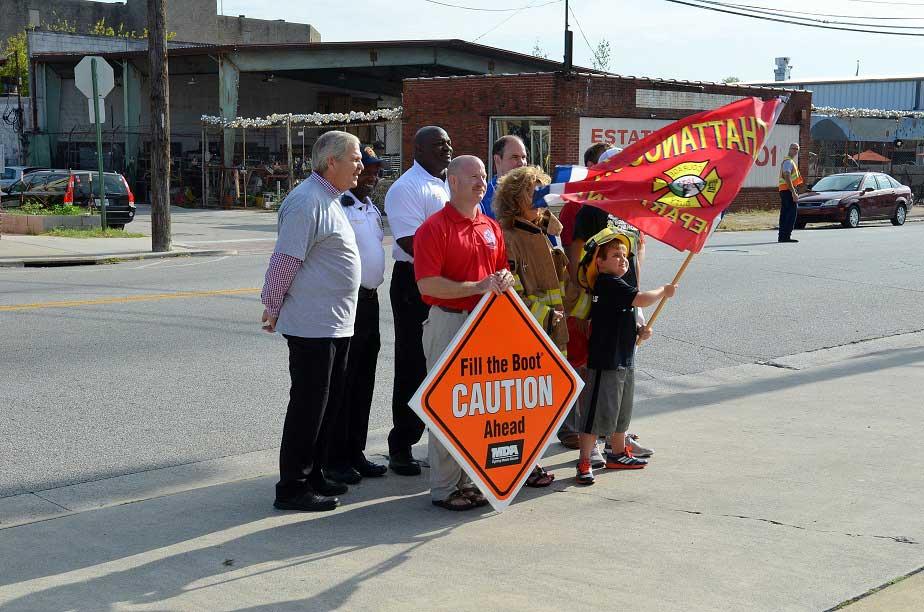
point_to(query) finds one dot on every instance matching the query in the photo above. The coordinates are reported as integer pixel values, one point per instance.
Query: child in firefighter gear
(611, 357)
(540, 271)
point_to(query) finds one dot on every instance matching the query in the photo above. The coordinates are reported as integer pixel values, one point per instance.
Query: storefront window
(534, 131)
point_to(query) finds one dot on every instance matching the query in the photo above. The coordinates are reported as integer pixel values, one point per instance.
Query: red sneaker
(585, 473)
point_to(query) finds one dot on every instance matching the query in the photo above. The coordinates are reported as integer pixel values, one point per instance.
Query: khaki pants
(445, 474)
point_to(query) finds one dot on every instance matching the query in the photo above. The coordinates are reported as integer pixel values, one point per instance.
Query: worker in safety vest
(790, 179)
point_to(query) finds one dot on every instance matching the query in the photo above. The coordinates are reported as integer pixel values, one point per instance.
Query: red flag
(673, 184)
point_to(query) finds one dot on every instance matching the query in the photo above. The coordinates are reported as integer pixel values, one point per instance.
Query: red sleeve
(567, 216)
(428, 250)
(502, 263)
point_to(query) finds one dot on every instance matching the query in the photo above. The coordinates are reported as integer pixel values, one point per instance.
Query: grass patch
(750, 220)
(38, 209)
(91, 232)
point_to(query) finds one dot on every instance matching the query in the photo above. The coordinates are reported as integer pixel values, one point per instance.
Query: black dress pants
(788, 214)
(410, 362)
(317, 367)
(349, 440)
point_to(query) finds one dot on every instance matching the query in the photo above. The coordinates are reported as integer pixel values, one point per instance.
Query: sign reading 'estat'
(497, 394)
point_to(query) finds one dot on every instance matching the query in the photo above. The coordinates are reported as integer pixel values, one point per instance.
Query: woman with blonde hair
(539, 269)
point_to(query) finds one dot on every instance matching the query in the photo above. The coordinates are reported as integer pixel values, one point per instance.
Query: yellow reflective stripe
(581, 309)
(517, 285)
(551, 299)
(540, 311)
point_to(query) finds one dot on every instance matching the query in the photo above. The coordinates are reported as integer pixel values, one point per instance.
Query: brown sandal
(540, 478)
(457, 502)
(475, 496)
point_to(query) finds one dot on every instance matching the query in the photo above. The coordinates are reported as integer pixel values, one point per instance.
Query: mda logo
(504, 453)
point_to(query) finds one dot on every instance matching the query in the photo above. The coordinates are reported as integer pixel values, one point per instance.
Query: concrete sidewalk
(788, 486)
(18, 250)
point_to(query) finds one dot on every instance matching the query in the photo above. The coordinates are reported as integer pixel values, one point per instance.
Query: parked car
(851, 197)
(77, 187)
(11, 174)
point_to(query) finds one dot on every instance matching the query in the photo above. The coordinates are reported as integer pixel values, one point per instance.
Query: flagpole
(663, 301)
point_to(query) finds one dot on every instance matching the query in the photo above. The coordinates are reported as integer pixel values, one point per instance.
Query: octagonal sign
(496, 396)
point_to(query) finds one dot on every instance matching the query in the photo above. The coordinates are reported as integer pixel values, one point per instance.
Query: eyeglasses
(380, 173)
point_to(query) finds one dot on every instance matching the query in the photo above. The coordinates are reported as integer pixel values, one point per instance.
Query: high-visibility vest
(794, 175)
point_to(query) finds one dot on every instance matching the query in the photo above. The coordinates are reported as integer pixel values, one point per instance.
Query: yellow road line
(128, 298)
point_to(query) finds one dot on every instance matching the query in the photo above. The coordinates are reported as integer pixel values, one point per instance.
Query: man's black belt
(367, 294)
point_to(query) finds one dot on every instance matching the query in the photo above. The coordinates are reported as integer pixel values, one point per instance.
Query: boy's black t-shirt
(612, 332)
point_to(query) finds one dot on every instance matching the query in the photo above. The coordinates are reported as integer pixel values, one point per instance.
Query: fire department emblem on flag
(685, 186)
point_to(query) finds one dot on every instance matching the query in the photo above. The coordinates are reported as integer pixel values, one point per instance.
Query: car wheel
(800, 224)
(899, 217)
(853, 217)
(117, 226)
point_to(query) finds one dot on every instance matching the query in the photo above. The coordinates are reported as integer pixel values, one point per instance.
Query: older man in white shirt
(347, 461)
(418, 194)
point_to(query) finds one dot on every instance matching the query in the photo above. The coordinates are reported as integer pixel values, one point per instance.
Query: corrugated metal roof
(448, 43)
(608, 75)
(848, 79)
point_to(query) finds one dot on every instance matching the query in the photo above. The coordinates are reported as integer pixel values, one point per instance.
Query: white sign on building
(622, 132)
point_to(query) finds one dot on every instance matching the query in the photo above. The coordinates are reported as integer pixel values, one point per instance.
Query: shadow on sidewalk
(150, 552)
(862, 364)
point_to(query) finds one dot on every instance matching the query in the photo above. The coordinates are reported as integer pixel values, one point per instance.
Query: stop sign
(83, 77)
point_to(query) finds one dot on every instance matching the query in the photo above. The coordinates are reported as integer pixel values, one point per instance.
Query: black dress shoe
(325, 486)
(307, 502)
(404, 465)
(787, 240)
(367, 469)
(346, 475)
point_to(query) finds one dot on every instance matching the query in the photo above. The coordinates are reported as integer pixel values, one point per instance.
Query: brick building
(559, 115)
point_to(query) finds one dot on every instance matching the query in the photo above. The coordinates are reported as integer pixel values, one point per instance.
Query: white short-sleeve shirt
(370, 232)
(410, 201)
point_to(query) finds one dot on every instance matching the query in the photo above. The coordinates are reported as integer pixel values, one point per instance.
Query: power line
(584, 36)
(891, 3)
(789, 20)
(531, 5)
(490, 10)
(776, 12)
(797, 13)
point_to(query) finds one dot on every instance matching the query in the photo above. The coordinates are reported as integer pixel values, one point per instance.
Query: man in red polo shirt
(459, 255)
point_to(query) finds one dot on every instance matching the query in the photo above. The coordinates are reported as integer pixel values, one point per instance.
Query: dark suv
(77, 187)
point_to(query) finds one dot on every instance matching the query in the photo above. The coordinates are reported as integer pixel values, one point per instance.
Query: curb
(83, 260)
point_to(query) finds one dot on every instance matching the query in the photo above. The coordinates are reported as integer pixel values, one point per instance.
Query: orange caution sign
(496, 396)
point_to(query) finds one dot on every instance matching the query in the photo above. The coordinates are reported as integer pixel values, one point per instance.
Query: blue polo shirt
(489, 197)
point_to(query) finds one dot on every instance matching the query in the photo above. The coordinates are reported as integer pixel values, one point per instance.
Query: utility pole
(19, 114)
(160, 126)
(569, 42)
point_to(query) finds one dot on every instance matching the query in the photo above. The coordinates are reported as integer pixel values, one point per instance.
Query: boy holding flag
(611, 356)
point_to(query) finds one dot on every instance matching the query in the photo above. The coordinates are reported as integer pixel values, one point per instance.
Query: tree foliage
(17, 62)
(731, 79)
(538, 51)
(603, 55)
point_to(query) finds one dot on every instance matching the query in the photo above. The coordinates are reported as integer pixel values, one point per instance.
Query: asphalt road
(130, 377)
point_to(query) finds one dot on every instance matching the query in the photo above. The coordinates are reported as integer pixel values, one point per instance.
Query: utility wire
(776, 12)
(890, 3)
(789, 20)
(754, 6)
(531, 5)
(584, 36)
(490, 10)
